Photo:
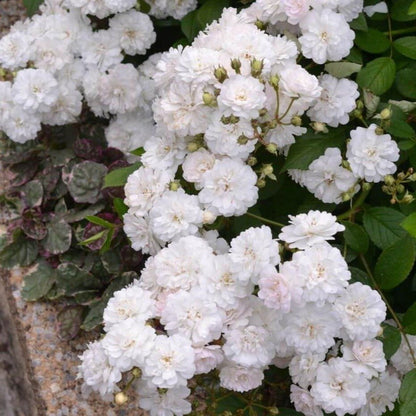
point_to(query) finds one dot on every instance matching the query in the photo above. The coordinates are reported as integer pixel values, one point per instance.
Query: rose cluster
(57, 59)
(202, 304)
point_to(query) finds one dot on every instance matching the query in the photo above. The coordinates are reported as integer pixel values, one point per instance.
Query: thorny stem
(265, 220)
(393, 314)
(359, 201)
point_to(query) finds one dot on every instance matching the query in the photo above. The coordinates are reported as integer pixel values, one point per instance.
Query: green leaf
(407, 394)
(94, 316)
(99, 221)
(406, 82)
(310, 146)
(400, 11)
(377, 75)
(32, 6)
(190, 25)
(342, 69)
(391, 339)
(21, 252)
(59, 237)
(85, 181)
(120, 207)
(359, 23)
(406, 46)
(409, 224)
(210, 11)
(137, 152)
(372, 41)
(409, 320)
(93, 238)
(69, 321)
(230, 403)
(395, 263)
(412, 9)
(72, 279)
(383, 226)
(358, 275)
(356, 237)
(33, 193)
(37, 284)
(398, 126)
(75, 215)
(118, 177)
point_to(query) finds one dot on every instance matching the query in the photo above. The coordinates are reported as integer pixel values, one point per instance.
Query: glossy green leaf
(372, 41)
(310, 146)
(412, 9)
(395, 263)
(190, 25)
(32, 6)
(407, 394)
(120, 207)
(342, 69)
(118, 177)
(409, 224)
(406, 82)
(100, 221)
(406, 46)
(400, 10)
(359, 23)
(356, 237)
(383, 226)
(22, 252)
(211, 10)
(72, 279)
(378, 75)
(409, 320)
(391, 339)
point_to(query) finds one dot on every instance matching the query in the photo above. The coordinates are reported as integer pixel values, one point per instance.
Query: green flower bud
(272, 148)
(385, 114)
(251, 161)
(400, 188)
(319, 127)
(256, 67)
(366, 186)
(389, 180)
(209, 99)
(242, 139)
(236, 65)
(379, 131)
(408, 198)
(174, 186)
(261, 25)
(136, 372)
(273, 411)
(221, 74)
(296, 121)
(267, 169)
(261, 183)
(274, 81)
(192, 147)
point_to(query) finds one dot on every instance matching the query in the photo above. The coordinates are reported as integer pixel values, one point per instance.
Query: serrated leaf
(118, 177)
(356, 237)
(72, 279)
(37, 284)
(21, 252)
(85, 181)
(372, 41)
(409, 320)
(383, 226)
(406, 82)
(391, 339)
(407, 394)
(342, 69)
(378, 75)
(409, 224)
(406, 46)
(69, 321)
(33, 193)
(310, 146)
(395, 263)
(59, 237)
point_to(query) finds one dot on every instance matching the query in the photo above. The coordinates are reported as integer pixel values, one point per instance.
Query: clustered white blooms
(60, 59)
(195, 309)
